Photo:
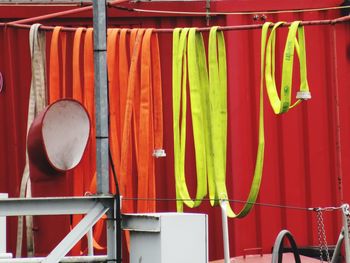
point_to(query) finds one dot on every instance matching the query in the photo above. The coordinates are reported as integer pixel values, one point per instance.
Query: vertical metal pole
(90, 241)
(345, 210)
(3, 230)
(101, 95)
(101, 105)
(111, 234)
(223, 205)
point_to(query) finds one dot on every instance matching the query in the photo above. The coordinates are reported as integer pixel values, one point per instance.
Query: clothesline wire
(291, 207)
(233, 13)
(204, 29)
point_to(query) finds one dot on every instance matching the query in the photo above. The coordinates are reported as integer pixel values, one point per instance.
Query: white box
(167, 237)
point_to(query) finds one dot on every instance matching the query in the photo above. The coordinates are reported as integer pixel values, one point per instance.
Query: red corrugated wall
(307, 150)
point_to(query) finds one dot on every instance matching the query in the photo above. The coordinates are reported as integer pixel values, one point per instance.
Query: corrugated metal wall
(307, 150)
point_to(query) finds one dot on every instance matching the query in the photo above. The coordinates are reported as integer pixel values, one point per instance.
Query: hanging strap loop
(283, 103)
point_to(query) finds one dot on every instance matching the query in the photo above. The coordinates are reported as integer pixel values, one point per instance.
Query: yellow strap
(218, 97)
(209, 115)
(198, 81)
(284, 104)
(179, 113)
(217, 106)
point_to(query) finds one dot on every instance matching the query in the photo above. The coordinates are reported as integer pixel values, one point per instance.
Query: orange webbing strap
(57, 84)
(157, 117)
(114, 99)
(77, 87)
(136, 110)
(78, 172)
(64, 62)
(145, 158)
(123, 84)
(123, 75)
(157, 94)
(77, 91)
(151, 121)
(126, 150)
(54, 73)
(126, 146)
(132, 82)
(89, 102)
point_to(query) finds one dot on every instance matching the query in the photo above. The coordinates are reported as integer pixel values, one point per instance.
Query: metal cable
(232, 13)
(327, 209)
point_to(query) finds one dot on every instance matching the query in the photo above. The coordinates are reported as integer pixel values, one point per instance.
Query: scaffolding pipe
(101, 95)
(102, 115)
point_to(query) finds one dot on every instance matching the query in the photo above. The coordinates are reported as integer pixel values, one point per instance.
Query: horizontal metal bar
(99, 258)
(52, 206)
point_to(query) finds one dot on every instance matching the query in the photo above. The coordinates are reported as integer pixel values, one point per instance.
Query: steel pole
(225, 234)
(101, 95)
(345, 210)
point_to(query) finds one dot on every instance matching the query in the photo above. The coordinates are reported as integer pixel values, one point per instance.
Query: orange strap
(114, 100)
(136, 86)
(146, 184)
(54, 76)
(89, 102)
(126, 151)
(78, 177)
(77, 92)
(77, 87)
(64, 62)
(126, 182)
(157, 93)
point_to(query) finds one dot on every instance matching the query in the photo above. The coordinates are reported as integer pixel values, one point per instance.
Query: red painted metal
(307, 149)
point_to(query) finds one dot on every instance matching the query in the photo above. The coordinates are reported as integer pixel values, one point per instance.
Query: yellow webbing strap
(284, 104)
(217, 107)
(209, 116)
(218, 97)
(179, 122)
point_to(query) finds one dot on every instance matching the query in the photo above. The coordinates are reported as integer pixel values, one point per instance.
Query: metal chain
(322, 236)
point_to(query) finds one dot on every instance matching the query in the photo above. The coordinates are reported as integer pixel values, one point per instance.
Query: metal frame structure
(93, 206)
